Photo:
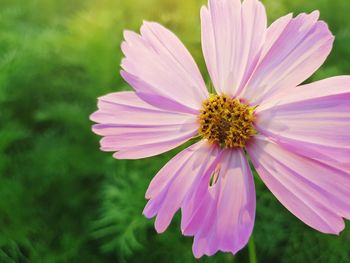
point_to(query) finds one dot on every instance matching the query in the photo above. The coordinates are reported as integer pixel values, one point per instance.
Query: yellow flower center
(226, 121)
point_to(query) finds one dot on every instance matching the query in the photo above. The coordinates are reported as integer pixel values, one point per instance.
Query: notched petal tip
(126, 32)
(160, 226)
(91, 117)
(333, 229)
(94, 117)
(129, 35)
(146, 22)
(147, 214)
(254, 3)
(316, 14)
(95, 128)
(204, 12)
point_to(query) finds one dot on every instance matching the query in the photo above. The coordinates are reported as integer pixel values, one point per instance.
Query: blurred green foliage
(61, 199)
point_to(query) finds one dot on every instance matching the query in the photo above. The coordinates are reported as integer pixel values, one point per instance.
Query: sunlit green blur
(61, 199)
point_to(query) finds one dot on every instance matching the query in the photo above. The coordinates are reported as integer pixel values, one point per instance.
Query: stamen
(226, 121)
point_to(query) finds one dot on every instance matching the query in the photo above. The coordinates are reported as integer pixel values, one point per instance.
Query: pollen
(226, 121)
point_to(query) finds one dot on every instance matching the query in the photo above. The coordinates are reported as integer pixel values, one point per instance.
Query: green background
(61, 199)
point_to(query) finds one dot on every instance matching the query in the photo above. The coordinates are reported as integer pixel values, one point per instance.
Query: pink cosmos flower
(297, 136)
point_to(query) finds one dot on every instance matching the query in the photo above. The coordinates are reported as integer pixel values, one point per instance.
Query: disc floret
(226, 121)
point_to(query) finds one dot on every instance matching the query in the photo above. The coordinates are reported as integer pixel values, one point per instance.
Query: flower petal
(293, 51)
(313, 120)
(175, 180)
(232, 37)
(316, 193)
(157, 64)
(221, 216)
(137, 129)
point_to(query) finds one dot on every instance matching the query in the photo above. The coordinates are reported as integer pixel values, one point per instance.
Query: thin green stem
(251, 250)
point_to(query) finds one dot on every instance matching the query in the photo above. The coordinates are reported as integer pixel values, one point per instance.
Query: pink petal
(316, 193)
(136, 129)
(157, 64)
(221, 217)
(232, 37)
(293, 51)
(313, 120)
(175, 180)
